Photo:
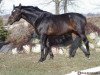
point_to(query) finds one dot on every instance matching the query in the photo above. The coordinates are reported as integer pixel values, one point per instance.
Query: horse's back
(77, 16)
(60, 24)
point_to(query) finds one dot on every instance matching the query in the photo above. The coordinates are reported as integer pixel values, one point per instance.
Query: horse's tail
(92, 28)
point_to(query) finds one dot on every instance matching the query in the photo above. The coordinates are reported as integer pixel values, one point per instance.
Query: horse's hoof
(71, 56)
(51, 57)
(88, 55)
(41, 60)
(88, 58)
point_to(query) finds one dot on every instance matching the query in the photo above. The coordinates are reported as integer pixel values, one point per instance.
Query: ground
(27, 64)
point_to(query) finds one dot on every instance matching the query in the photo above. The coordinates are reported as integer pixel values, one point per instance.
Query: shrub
(20, 35)
(3, 32)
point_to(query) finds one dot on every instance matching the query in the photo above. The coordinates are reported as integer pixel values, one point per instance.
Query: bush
(3, 32)
(20, 35)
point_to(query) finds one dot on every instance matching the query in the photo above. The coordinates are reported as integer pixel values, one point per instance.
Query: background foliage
(3, 32)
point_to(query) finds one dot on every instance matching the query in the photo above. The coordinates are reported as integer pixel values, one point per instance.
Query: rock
(93, 35)
(72, 73)
(55, 50)
(61, 50)
(27, 49)
(91, 45)
(14, 51)
(6, 48)
(98, 44)
(36, 48)
(97, 49)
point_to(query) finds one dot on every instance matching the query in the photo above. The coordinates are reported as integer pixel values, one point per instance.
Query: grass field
(27, 64)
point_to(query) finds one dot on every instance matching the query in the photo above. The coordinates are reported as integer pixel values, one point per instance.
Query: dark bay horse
(65, 40)
(47, 24)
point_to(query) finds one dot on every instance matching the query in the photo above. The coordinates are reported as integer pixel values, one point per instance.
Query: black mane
(31, 8)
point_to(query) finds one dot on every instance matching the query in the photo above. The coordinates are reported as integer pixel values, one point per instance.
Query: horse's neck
(29, 18)
(34, 18)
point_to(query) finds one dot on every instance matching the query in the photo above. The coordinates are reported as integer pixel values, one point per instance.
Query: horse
(47, 24)
(65, 40)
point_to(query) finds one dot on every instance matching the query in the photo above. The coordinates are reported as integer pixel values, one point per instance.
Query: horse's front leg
(43, 46)
(49, 51)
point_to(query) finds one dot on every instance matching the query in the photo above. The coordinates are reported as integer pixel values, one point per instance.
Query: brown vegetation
(93, 25)
(20, 35)
(90, 27)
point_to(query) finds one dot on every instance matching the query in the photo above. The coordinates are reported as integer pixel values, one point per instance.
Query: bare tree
(57, 6)
(66, 3)
(0, 1)
(0, 6)
(63, 4)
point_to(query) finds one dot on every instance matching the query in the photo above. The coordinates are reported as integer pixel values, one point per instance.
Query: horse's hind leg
(46, 52)
(51, 54)
(86, 42)
(49, 51)
(83, 49)
(74, 46)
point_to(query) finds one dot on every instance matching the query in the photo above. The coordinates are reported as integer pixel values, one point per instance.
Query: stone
(14, 51)
(97, 49)
(27, 49)
(36, 48)
(93, 35)
(55, 50)
(91, 45)
(98, 44)
(61, 50)
(6, 48)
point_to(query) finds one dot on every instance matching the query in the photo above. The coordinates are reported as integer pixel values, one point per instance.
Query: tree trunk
(0, 1)
(57, 7)
(65, 6)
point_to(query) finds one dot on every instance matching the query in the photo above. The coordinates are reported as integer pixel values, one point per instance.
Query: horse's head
(15, 15)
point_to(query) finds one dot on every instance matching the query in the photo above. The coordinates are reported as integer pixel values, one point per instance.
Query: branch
(46, 3)
(0, 1)
(57, 1)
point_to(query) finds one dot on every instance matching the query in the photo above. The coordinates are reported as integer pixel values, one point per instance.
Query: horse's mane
(31, 8)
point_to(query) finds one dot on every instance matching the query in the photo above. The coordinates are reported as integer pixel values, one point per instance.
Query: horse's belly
(57, 30)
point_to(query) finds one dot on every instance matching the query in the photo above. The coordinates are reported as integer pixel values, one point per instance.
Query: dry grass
(27, 64)
(94, 20)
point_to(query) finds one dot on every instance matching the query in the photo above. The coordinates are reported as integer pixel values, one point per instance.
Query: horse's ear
(20, 5)
(13, 6)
